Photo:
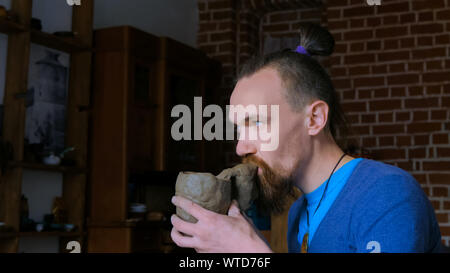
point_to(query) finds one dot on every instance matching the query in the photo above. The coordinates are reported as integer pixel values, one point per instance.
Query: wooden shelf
(6, 235)
(7, 26)
(49, 234)
(66, 44)
(48, 168)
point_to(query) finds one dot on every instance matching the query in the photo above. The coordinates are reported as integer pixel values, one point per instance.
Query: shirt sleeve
(395, 216)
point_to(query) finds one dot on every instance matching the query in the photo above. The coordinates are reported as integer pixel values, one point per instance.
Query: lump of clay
(215, 193)
(243, 185)
(204, 189)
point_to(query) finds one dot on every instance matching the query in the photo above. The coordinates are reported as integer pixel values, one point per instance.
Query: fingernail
(173, 199)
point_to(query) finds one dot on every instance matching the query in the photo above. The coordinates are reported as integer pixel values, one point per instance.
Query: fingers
(234, 209)
(190, 207)
(181, 240)
(183, 226)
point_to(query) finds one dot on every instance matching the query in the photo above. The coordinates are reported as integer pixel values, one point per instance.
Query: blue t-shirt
(335, 185)
(381, 208)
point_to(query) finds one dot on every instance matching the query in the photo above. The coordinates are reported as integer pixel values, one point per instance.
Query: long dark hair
(304, 77)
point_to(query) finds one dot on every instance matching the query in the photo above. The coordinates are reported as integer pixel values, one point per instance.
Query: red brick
(440, 178)
(354, 106)
(361, 130)
(443, 39)
(310, 14)
(403, 140)
(417, 153)
(354, 47)
(368, 118)
(358, 35)
(333, 13)
(393, 56)
(357, 23)
(426, 16)
(360, 58)
(420, 115)
(381, 93)
(407, 43)
(398, 92)
(364, 94)
(391, 32)
(284, 16)
(436, 165)
(442, 217)
(358, 11)
(338, 71)
(443, 15)
(426, 4)
(443, 152)
(435, 76)
(386, 141)
(379, 69)
(439, 115)
(422, 127)
(332, 25)
(373, 21)
(388, 129)
(373, 45)
(407, 18)
(427, 28)
(435, 65)
(425, 41)
(415, 90)
(421, 140)
(386, 154)
(342, 83)
(222, 36)
(386, 117)
(397, 67)
(391, 44)
(403, 79)
(393, 8)
(380, 105)
(275, 28)
(440, 191)
(337, 3)
(421, 103)
(369, 81)
(440, 138)
(429, 53)
(369, 142)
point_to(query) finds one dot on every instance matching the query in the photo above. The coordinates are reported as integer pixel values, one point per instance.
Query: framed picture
(46, 98)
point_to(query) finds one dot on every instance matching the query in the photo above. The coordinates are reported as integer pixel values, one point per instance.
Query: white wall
(177, 19)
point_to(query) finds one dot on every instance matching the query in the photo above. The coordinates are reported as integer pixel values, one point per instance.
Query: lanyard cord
(324, 191)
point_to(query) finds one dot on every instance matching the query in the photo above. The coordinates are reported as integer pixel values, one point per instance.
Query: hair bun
(316, 39)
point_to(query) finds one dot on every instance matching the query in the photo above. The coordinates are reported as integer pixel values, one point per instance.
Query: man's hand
(215, 232)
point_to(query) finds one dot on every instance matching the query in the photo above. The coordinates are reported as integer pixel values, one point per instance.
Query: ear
(317, 117)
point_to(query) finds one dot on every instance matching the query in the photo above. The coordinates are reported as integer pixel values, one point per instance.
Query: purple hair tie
(300, 49)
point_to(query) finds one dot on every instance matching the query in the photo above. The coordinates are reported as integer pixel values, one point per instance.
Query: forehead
(262, 88)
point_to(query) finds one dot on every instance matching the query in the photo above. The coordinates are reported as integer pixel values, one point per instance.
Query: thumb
(234, 209)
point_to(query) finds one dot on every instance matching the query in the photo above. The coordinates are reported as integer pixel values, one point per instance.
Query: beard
(274, 188)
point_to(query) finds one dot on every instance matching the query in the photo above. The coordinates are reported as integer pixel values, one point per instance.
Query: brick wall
(391, 67)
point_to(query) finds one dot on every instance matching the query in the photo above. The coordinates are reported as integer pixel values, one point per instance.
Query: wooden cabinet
(138, 78)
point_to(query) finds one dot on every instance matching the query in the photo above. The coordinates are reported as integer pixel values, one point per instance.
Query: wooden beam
(14, 118)
(77, 121)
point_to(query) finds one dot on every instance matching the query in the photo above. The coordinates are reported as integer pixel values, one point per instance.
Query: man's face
(278, 168)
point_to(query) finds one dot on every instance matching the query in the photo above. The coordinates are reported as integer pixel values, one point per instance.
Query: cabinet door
(141, 116)
(185, 154)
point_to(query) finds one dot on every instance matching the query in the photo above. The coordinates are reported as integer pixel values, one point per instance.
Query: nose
(245, 147)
